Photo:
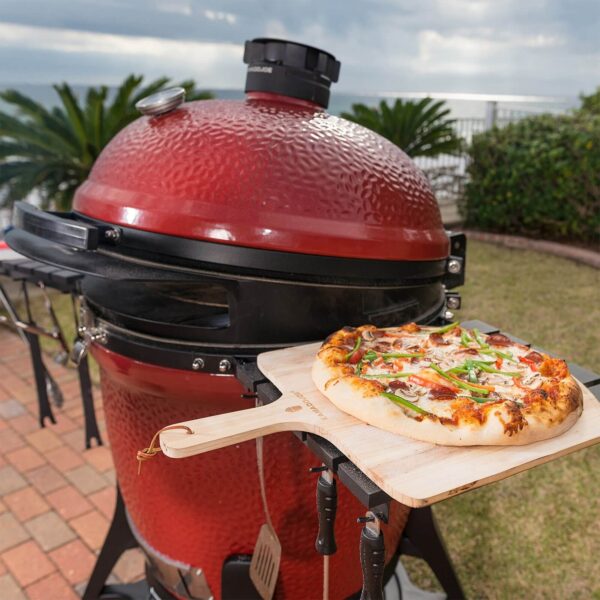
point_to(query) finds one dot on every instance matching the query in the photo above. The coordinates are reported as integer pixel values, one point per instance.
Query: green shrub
(591, 103)
(537, 177)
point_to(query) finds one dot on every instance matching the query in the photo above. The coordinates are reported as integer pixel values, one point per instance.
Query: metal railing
(447, 173)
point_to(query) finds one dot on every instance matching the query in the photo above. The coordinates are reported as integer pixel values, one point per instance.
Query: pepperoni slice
(446, 394)
(437, 339)
(398, 385)
(498, 339)
(535, 357)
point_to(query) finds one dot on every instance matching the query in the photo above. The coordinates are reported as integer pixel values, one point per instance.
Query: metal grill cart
(44, 277)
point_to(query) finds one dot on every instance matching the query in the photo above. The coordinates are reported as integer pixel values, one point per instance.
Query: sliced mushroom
(532, 378)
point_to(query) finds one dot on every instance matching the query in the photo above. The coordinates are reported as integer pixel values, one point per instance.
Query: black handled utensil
(372, 558)
(326, 511)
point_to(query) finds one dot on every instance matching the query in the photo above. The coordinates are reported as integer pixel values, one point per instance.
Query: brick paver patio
(56, 498)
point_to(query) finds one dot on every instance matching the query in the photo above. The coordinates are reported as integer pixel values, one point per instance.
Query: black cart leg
(39, 373)
(422, 540)
(85, 385)
(118, 539)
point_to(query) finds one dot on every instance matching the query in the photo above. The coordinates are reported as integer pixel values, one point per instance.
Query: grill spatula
(264, 567)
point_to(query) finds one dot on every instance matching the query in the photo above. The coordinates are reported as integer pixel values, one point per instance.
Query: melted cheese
(448, 356)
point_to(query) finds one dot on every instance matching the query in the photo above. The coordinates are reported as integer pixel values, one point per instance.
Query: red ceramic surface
(268, 172)
(203, 509)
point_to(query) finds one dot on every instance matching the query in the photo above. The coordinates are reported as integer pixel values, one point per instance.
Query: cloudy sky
(545, 47)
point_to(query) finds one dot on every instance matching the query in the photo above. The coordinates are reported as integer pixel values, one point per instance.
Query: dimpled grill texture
(203, 509)
(270, 174)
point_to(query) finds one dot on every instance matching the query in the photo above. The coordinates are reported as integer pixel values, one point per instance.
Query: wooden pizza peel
(412, 472)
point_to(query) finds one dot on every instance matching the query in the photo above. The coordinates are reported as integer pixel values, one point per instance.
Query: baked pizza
(447, 385)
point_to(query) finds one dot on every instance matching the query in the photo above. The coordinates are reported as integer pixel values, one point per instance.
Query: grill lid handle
(55, 227)
(162, 102)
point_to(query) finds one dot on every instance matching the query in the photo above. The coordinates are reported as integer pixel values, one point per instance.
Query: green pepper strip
(485, 348)
(370, 355)
(401, 355)
(459, 383)
(478, 400)
(472, 375)
(503, 355)
(465, 340)
(404, 402)
(485, 367)
(446, 328)
(478, 339)
(389, 375)
(359, 365)
(356, 347)
(475, 399)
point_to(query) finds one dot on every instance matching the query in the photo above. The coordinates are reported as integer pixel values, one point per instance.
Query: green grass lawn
(537, 534)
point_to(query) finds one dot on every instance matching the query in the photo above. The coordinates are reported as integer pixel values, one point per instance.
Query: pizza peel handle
(210, 433)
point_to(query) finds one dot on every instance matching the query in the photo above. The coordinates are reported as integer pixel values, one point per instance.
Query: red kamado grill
(208, 232)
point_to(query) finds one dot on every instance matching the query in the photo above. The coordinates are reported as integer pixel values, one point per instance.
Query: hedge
(537, 177)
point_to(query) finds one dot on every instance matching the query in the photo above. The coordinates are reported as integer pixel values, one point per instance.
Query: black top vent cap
(290, 69)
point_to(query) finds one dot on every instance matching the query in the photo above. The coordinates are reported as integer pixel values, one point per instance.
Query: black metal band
(161, 248)
(177, 355)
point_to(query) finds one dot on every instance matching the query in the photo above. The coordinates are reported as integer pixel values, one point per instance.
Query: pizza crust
(351, 397)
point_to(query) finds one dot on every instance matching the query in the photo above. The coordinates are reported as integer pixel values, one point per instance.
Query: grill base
(202, 510)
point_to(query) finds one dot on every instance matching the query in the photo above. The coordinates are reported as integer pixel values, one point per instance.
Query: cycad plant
(52, 150)
(420, 128)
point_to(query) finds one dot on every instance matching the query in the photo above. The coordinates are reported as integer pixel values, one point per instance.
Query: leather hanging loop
(148, 453)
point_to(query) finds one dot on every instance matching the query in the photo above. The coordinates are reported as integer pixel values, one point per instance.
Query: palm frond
(119, 113)
(13, 128)
(420, 128)
(191, 93)
(27, 107)
(53, 150)
(75, 115)
(151, 88)
(94, 119)
(14, 148)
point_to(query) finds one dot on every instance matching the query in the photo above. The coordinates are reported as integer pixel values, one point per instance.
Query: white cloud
(174, 6)
(465, 8)
(543, 41)
(475, 54)
(184, 7)
(69, 40)
(211, 61)
(217, 15)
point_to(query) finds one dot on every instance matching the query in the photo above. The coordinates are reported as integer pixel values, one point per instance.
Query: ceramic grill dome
(271, 172)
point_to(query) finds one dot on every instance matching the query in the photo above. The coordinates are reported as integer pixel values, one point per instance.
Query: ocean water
(462, 106)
